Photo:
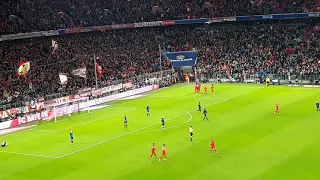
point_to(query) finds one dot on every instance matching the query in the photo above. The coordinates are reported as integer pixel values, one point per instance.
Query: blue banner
(161, 23)
(182, 58)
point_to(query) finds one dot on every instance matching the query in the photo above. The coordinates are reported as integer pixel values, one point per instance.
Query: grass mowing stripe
(169, 127)
(132, 132)
(94, 120)
(28, 154)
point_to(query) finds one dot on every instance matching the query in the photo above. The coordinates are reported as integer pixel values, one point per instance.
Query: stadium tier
(27, 16)
(286, 47)
(79, 91)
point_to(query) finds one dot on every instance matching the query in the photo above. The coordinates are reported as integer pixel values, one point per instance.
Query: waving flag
(63, 79)
(54, 46)
(99, 70)
(98, 67)
(182, 58)
(80, 72)
(24, 68)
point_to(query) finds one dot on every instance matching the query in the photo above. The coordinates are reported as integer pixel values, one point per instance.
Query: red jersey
(164, 150)
(277, 106)
(212, 144)
(153, 149)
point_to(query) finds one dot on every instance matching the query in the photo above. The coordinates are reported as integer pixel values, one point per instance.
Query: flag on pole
(29, 83)
(54, 46)
(24, 68)
(99, 70)
(63, 78)
(80, 72)
(98, 67)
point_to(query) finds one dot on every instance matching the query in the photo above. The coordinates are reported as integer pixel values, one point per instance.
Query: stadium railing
(137, 81)
(159, 23)
(284, 78)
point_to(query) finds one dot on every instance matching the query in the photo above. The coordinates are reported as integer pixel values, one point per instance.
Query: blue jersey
(125, 119)
(205, 112)
(71, 135)
(199, 106)
(318, 105)
(162, 121)
(148, 108)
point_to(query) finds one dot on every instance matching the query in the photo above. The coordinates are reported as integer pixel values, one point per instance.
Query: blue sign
(182, 58)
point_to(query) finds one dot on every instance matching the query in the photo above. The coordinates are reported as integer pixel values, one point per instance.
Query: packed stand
(29, 16)
(124, 54)
(253, 47)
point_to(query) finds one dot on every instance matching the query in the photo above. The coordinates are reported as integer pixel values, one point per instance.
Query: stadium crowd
(277, 47)
(29, 16)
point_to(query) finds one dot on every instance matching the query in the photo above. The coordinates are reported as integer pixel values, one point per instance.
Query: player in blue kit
(318, 106)
(162, 122)
(205, 112)
(148, 110)
(71, 137)
(125, 121)
(199, 107)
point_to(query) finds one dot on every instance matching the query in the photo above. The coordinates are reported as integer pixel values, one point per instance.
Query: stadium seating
(276, 47)
(29, 16)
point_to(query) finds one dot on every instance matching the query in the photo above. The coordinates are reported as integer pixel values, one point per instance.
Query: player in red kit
(205, 89)
(212, 88)
(199, 88)
(195, 88)
(212, 147)
(164, 153)
(153, 151)
(277, 110)
(198, 85)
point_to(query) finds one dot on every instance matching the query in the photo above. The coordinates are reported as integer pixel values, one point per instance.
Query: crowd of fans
(280, 49)
(26, 16)
(277, 47)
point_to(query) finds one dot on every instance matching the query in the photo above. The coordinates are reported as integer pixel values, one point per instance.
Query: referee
(191, 133)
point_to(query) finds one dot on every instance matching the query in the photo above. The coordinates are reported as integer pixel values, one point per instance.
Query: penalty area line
(132, 132)
(87, 122)
(166, 128)
(28, 154)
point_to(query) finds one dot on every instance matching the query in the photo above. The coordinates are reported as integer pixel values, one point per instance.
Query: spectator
(29, 16)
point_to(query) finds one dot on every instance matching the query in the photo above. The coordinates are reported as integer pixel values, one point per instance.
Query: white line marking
(185, 97)
(166, 128)
(64, 119)
(27, 154)
(107, 140)
(48, 124)
(87, 122)
(244, 86)
(116, 137)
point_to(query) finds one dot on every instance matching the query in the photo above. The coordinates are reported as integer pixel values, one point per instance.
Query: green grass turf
(253, 143)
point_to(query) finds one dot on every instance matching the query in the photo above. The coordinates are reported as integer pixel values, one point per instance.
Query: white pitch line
(185, 97)
(117, 137)
(64, 119)
(67, 118)
(166, 128)
(48, 124)
(87, 122)
(27, 154)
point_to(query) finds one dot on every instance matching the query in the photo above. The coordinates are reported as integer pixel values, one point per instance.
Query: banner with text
(63, 110)
(182, 58)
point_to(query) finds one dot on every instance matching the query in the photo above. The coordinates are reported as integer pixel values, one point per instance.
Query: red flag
(99, 70)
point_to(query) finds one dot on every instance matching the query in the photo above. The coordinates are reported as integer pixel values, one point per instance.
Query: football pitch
(253, 143)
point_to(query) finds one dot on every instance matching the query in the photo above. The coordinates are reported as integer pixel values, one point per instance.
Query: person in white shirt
(4, 144)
